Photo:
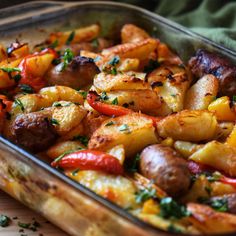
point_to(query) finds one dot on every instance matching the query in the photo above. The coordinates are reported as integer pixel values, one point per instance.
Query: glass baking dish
(71, 206)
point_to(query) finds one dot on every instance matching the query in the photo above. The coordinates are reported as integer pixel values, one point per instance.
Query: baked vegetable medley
(130, 120)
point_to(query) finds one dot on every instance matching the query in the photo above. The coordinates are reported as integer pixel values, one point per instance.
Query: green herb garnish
(83, 139)
(145, 194)
(134, 166)
(75, 172)
(17, 77)
(114, 61)
(4, 221)
(219, 204)
(104, 96)
(70, 38)
(24, 225)
(173, 229)
(54, 44)
(10, 69)
(19, 103)
(54, 121)
(83, 93)
(124, 128)
(67, 58)
(110, 123)
(26, 88)
(115, 101)
(171, 209)
(234, 98)
(66, 153)
(95, 43)
(113, 71)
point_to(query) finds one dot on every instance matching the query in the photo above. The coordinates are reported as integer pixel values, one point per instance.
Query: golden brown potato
(140, 50)
(134, 131)
(62, 147)
(83, 34)
(202, 93)
(67, 116)
(146, 101)
(170, 82)
(210, 221)
(131, 34)
(218, 155)
(108, 82)
(224, 131)
(192, 126)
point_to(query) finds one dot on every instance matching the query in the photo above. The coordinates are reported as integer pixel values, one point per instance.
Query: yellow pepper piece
(221, 108)
(231, 140)
(150, 207)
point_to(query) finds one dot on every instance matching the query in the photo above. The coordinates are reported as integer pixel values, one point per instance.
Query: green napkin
(214, 19)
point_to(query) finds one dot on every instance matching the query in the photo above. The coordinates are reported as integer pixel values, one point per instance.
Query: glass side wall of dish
(130, 121)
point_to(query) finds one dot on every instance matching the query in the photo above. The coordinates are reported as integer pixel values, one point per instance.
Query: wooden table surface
(19, 213)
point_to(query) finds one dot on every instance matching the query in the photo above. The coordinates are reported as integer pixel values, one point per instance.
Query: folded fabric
(214, 19)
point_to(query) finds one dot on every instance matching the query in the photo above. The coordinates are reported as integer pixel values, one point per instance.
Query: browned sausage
(165, 166)
(78, 74)
(210, 63)
(33, 131)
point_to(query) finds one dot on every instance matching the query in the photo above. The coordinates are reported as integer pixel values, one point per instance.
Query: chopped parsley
(83, 93)
(114, 61)
(234, 98)
(56, 104)
(152, 65)
(26, 88)
(220, 204)
(173, 229)
(4, 221)
(113, 71)
(95, 43)
(54, 44)
(65, 153)
(24, 225)
(104, 96)
(17, 77)
(213, 177)
(115, 101)
(145, 194)
(75, 172)
(70, 38)
(83, 139)
(10, 69)
(171, 209)
(67, 58)
(124, 128)
(110, 123)
(18, 102)
(54, 121)
(134, 165)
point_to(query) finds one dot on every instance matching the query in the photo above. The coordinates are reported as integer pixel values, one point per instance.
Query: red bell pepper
(227, 180)
(90, 160)
(112, 110)
(26, 77)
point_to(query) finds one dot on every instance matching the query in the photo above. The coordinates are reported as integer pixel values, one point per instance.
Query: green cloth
(214, 19)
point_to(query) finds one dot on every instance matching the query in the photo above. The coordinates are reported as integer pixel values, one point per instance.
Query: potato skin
(166, 167)
(206, 62)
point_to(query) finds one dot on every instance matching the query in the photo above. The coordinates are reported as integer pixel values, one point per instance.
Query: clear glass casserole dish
(71, 206)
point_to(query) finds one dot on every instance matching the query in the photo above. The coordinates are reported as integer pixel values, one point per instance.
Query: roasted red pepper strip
(106, 109)
(26, 77)
(90, 160)
(112, 110)
(227, 180)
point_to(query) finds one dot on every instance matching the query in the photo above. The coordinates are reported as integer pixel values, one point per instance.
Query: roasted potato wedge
(131, 34)
(170, 82)
(192, 126)
(109, 82)
(134, 131)
(202, 93)
(140, 50)
(210, 221)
